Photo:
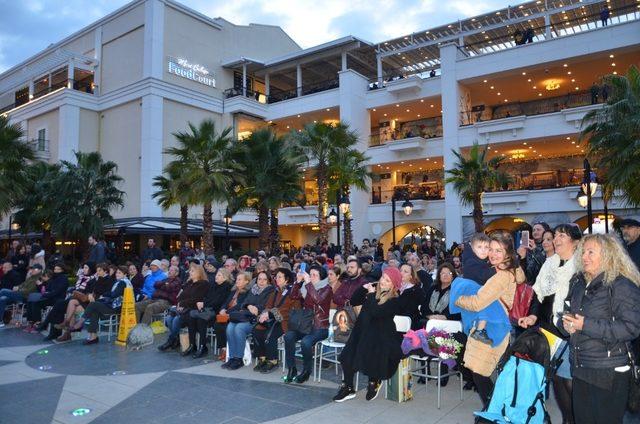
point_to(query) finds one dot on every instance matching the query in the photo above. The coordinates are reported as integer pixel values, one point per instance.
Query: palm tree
(87, 191)
(613, 134)
(14, 156)
(320, 142)
(37, 206)
(209, 169)
(474, 174)
(173, 190)
(348, 168)
(272, 178)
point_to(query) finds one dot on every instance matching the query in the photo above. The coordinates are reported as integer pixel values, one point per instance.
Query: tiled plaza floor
(42, 382)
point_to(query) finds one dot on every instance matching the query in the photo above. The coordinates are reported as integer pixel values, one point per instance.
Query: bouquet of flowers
(436, 342)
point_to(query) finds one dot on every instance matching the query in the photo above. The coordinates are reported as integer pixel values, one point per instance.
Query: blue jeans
(174, 324)
(307, 342)
(8, 297)
(237, 333)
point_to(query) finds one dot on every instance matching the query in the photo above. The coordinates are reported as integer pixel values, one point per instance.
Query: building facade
(518, 80)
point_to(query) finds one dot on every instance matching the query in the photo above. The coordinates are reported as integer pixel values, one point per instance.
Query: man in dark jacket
(631, 235)
(163, 297)
(98, 253)
(151, 252)
(423, 275)
(349, 283)
(10, 277)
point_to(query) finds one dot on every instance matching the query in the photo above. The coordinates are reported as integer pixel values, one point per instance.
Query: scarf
(439, 300)
(318, 286)
(405, 286)
(553, 279)
(255, 290)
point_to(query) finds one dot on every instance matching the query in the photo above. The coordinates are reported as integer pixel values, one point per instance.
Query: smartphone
(524, 239)
(562, 314)
(303, 267)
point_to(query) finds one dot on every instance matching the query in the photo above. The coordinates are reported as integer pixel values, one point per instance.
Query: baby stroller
(523, 373)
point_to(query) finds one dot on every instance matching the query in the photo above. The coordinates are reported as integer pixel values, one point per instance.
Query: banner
(127, 316)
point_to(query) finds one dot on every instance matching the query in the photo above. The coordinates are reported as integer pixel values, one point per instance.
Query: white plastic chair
(423, 369)
(333, 350)
(110, 322)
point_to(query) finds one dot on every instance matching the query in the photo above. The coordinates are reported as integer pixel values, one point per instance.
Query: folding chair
(111, 323)
(424, 370)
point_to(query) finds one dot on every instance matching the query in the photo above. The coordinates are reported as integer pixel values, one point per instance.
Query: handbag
(343, 323)
(301, 320)
(241, 315)
(222, 318)
(521, 302)
(79, 296)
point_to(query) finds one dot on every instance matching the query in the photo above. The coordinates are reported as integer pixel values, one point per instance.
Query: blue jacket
(149, 283)
(56, 287)
(474, 268)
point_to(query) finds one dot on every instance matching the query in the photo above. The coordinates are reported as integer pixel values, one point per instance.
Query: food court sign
(192, 71)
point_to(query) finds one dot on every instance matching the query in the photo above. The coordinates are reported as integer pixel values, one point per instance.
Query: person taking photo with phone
(531, 252)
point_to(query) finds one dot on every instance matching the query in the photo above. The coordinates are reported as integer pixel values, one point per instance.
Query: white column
(153, 39)
(353, 111)
(344, 60)
(379, 69)
(150, 152)
(547, 26)
(244, 80)
(31, 89)
(97, 54)
(70, 75)
(68, 132)
(298, 80)
(452, 93)
(267, 86)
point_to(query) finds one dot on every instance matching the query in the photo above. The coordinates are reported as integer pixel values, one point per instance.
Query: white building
(125, 83)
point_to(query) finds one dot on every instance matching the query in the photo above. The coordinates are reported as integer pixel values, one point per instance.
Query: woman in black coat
(603, 319)
(411, 295)
(374, 345)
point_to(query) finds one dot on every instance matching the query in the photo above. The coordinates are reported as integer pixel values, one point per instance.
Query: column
(343, 57)
(353, 111)
(150, 152)
(97, 54)
(547, 26)
(244, 80)
(31, 89)
(452, 95)
(379, 69)
(70, 75)
(267, 86)
(68, 132)
(298, 80)
(153, 39)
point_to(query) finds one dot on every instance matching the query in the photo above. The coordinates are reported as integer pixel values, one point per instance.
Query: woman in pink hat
(373, 348)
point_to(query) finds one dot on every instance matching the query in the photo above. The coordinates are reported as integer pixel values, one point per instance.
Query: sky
(28, 26)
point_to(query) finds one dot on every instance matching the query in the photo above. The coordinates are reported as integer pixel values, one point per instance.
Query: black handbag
(241, 315)
(301, 320)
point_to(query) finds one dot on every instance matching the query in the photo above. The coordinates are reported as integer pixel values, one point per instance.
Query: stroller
(521, 387)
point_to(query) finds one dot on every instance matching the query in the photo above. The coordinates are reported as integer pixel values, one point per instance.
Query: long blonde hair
(615, 259)
(386, 295)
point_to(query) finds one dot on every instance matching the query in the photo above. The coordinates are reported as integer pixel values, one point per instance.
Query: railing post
(547, 26)
(70, 74)
(379, 69)
(31, 89)
(298, 80)
(267, 86)
(244, 80)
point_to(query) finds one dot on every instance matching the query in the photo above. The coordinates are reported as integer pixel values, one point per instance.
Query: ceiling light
(484, 81)
(505, 100)
(615, 73)
(431, 106)
(419, 115)
(524, 73)
(552, 85)
(529, 80)
(408, 110)
(568, 138)
(613, 64)
(401, 161)
(397, 105)
(577, 88)
(534, 87)
(385, 114)
(491, 87)
(573, 80)
(499, 93)
(315, 122)
(573, 142)
(421, 100)
(287, 126)
(539, 94)
(374, 109)
(524, 144)
(298, 116)
(328, 109)
(569, 73)
(565, 65)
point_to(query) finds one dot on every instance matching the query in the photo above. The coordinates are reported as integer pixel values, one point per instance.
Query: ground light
(80, 412)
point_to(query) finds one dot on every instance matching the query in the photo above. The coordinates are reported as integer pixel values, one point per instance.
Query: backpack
(521, 302)
(342, 323)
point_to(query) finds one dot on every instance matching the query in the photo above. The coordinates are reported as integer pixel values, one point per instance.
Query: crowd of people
(585, 291)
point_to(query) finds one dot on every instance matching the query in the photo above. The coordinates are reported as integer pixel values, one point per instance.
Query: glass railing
(398, 74)
(531, 108)
(251, 94)
(306, 89)
(426, 128)
(422, 191)
(85, 85)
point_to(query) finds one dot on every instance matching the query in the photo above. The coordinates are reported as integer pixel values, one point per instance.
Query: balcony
(40, 90)
(418, 130)
(276, 95)
(424, 191)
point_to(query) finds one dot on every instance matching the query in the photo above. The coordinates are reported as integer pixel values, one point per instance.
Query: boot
(302, 377)
(202, 351)
(175, 344)
(291, 375)
(190, 350)
(54, 333)
(168, 344)
(66, 337)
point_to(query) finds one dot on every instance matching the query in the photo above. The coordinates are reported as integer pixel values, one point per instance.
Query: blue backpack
(519, 393)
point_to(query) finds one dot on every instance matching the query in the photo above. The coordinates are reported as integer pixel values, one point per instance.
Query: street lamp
(227, 221)
(345, 204)
(589, 187)
(582, 199)
(407, 208)
(333, 216)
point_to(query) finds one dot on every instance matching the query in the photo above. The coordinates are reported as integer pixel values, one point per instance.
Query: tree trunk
(274, 236)
(477, 213)
(263, 227)
(46, 239)
(323, 205)
(184, 214)
(207, 229)
(346, 227)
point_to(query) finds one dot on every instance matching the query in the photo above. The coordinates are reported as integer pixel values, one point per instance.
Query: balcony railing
(531, 108)
(251, 94)
(426, 128)
(306, 89)
(398, 74)
(422, 191)
(85, 85)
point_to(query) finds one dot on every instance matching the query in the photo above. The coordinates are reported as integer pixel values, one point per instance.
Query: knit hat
(156, 263)
(394, 275)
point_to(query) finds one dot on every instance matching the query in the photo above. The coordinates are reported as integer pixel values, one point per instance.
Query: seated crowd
(585, 291)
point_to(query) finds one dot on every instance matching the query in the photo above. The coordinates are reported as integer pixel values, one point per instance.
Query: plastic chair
(111, 323)
(424, 370)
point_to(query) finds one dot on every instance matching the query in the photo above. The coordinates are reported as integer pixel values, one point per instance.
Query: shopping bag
(399, 386)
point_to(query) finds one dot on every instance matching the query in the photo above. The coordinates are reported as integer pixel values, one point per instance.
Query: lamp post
(589, 187)
(227, 221)
(407, 208)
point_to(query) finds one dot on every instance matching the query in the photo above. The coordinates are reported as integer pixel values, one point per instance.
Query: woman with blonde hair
(373, 348)
(602, 320)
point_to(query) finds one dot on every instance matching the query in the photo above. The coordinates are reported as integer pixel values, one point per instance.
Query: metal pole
(226, 230)
(606, 214)
(587, 184)
(10, 226)
(338, 199)
(393, 219)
